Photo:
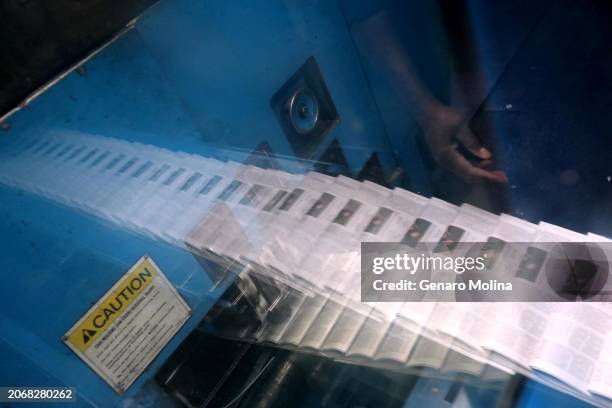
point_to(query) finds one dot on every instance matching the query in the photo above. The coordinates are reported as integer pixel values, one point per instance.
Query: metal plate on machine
(126, 329)
(305, 109)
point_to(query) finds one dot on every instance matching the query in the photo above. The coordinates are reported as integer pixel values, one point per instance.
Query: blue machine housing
(176, 81)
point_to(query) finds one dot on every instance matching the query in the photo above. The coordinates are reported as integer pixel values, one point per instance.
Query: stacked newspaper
(303, 232)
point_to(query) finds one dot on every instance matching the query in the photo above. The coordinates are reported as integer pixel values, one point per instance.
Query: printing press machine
(252, 93)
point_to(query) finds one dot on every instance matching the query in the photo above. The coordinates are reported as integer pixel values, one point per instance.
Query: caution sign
(126, 329)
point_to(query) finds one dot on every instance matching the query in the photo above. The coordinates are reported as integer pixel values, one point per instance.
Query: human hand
(444, 130)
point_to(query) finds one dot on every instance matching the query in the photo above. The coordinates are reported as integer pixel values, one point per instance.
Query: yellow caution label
(113, 304)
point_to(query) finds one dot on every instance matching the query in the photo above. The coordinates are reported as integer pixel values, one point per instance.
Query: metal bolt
(81, 70)
(303, 110)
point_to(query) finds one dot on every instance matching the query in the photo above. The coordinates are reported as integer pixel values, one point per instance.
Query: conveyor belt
(304, 233)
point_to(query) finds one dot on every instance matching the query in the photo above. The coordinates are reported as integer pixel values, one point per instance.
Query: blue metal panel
(226, 60)
(57, 264)
(194, 74)
(123, 94)
(536, 395)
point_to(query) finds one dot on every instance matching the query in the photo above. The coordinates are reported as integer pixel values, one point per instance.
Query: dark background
(41, 38)
(543, 69)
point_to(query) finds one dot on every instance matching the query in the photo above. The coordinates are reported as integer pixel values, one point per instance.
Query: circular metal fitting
(303, 111)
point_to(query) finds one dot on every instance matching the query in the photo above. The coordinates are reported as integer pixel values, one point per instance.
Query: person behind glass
(443, 126)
